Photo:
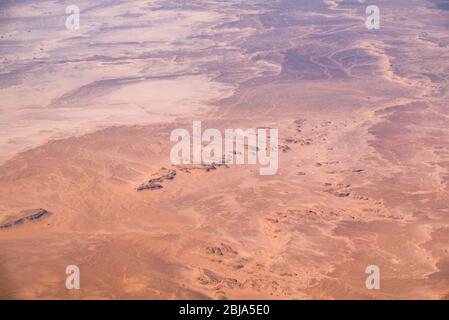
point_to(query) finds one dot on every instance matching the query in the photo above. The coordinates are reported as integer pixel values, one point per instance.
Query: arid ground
(86, 117)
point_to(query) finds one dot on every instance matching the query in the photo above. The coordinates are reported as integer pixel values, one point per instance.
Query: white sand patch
(132, 62)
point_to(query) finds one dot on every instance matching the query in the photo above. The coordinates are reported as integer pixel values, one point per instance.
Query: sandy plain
(363, 176)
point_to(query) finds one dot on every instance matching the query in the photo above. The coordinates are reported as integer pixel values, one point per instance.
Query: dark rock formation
(220, 250)
(149, 186)
(6, 225)
(203, 166)
(37, 215)
(342, 194)
(154, 184)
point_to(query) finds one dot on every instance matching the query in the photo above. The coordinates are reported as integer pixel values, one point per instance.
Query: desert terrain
(363, 178)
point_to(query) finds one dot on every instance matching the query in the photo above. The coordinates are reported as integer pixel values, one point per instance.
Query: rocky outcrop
(342, 194)
(203, 166)
(220, 250)
(155, 184)
(284, 148)
(38, 215)
(35, 215)
(149, 186)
